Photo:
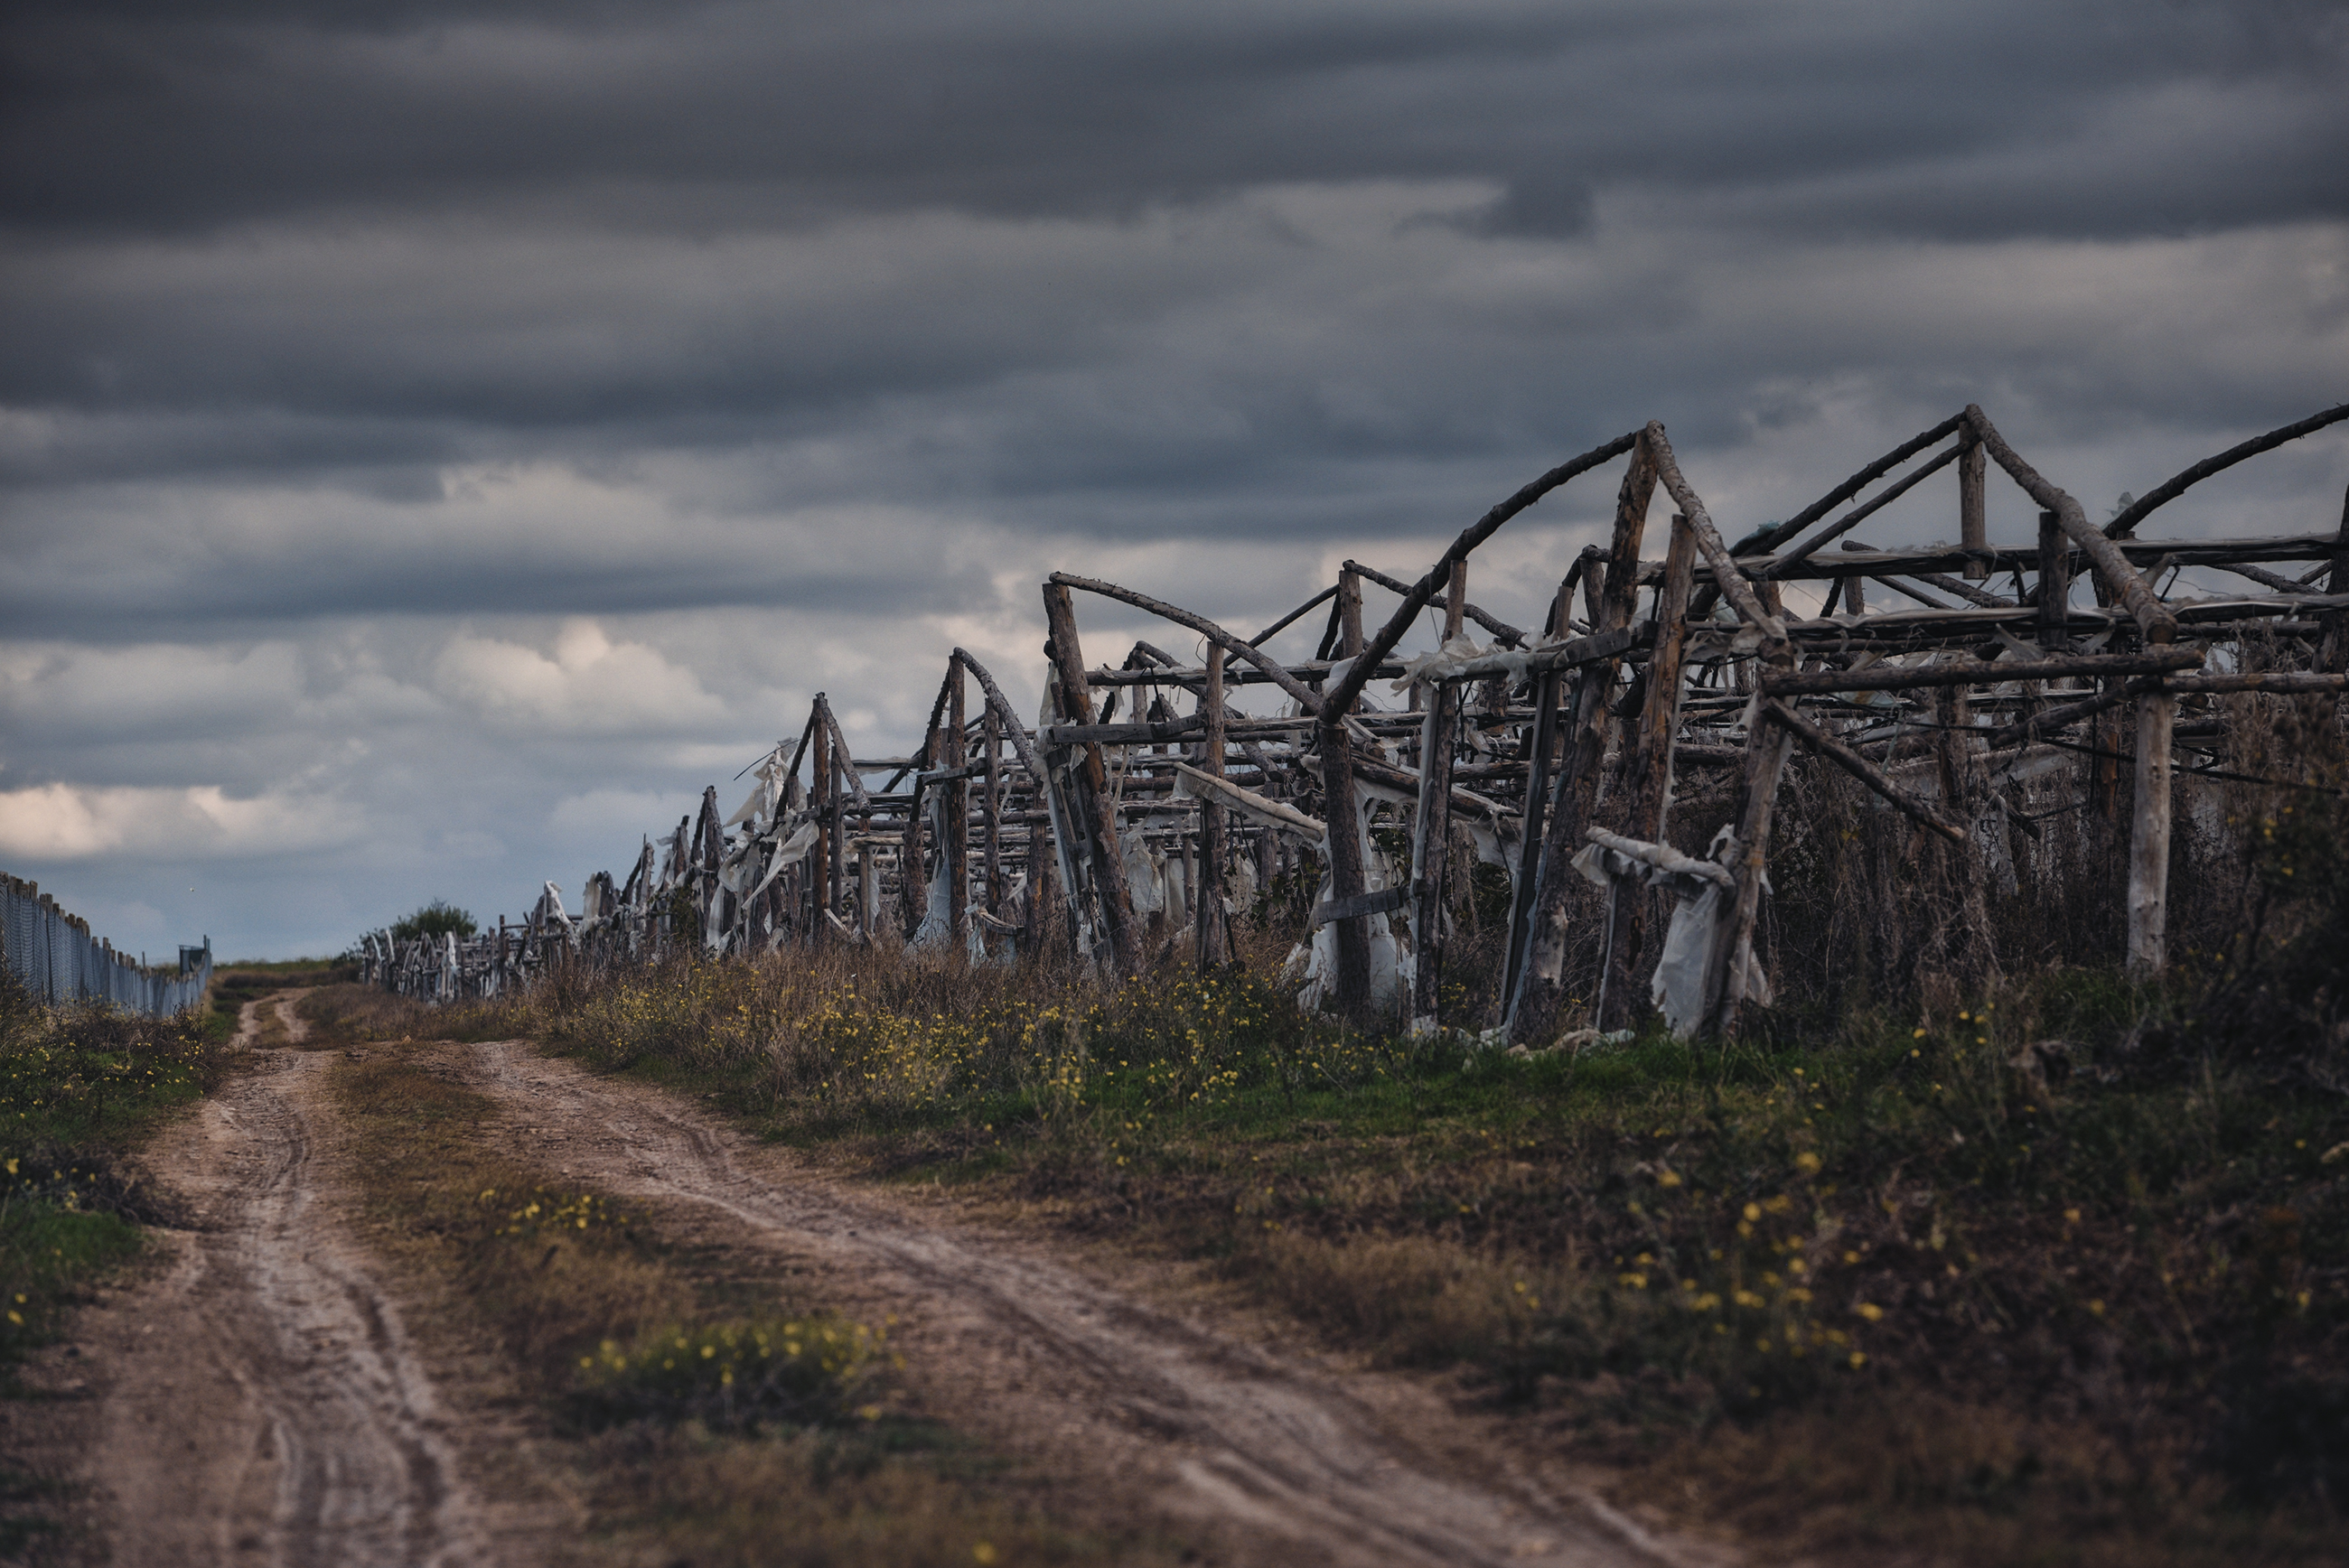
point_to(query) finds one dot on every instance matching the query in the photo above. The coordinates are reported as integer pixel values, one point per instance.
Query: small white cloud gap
(62, 821)
(591, 684)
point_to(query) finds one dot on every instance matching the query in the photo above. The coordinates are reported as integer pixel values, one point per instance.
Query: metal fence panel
(58, 959)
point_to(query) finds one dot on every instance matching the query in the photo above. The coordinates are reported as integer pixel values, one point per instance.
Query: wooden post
(957, 845)
(2054, 585)
(1649, 782)
(836, 871)
(1041, 902)
(1211, 945)
(1089, 783)
(991, 812)
(868, 888)
(2332, 654)
(2148, 883)
(1973, 522)
(1538, 764)
(1765, 759)
(1538, 988)
(1348, 875)
(821, 886)
(1432, 836)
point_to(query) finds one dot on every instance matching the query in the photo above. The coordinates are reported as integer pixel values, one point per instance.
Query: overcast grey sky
(438, 438)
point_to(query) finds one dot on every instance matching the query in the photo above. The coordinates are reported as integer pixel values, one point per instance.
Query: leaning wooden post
(2148, 884)
(1089, 784)
(1649, 781)
(1211, 942)
(1973, 519)
(1538, 764)
(957, 845)
(1540, 986)
(1767, 748)
(1432, 835)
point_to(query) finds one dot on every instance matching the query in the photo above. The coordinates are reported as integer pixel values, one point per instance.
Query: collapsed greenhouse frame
(1556, 753)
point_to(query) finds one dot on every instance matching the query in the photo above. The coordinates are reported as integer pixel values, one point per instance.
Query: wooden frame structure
(1147, 806)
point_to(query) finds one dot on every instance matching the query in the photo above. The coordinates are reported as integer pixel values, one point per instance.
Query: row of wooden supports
(1599, 702)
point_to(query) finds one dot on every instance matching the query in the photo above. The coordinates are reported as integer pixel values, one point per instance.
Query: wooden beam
(2154, 619)
(1836, 751)
(1976, 672)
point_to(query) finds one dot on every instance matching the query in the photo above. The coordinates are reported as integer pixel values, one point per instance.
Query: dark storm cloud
(150, 120)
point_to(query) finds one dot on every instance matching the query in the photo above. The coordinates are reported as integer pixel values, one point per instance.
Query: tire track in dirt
(261, 1403)
(1287, 1464)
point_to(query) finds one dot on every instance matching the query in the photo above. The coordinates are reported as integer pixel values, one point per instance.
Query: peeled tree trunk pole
(1537, 990)
(958, 844)
(1650, 785)
(2157, 711)
(1432, 835)
(1094, 827)
(1348, 873)
(1211, 940)
(1765, 751)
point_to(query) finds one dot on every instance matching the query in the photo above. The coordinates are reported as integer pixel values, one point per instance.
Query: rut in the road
(266, 1406)
(1281, 1457)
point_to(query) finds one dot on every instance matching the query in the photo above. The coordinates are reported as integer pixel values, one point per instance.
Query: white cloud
(590, 683)
(62, 821)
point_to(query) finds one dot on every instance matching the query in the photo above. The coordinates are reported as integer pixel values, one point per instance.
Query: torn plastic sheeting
(1311, 964)
(1692, 938)
(1145, 872)
(937, 920)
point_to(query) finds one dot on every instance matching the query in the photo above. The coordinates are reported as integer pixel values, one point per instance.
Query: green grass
(78, 1086)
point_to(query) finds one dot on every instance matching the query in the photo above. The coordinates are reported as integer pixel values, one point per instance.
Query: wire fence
(57, 960)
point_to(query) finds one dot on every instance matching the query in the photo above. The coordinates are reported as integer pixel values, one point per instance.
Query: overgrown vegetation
(720, 1420)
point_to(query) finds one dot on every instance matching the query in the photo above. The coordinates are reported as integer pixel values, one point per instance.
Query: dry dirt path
(1283, 1461)
(257, 1401)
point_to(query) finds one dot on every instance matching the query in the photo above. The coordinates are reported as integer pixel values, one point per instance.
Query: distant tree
(434, 919)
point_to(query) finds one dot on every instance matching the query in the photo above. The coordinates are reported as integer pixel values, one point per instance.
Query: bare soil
(255, 1398)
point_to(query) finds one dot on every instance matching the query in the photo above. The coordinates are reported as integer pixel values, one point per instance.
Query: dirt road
(258, 1402)
(1285, 1463)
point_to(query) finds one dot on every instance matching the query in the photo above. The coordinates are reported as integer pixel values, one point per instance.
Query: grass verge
(718, 1420)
